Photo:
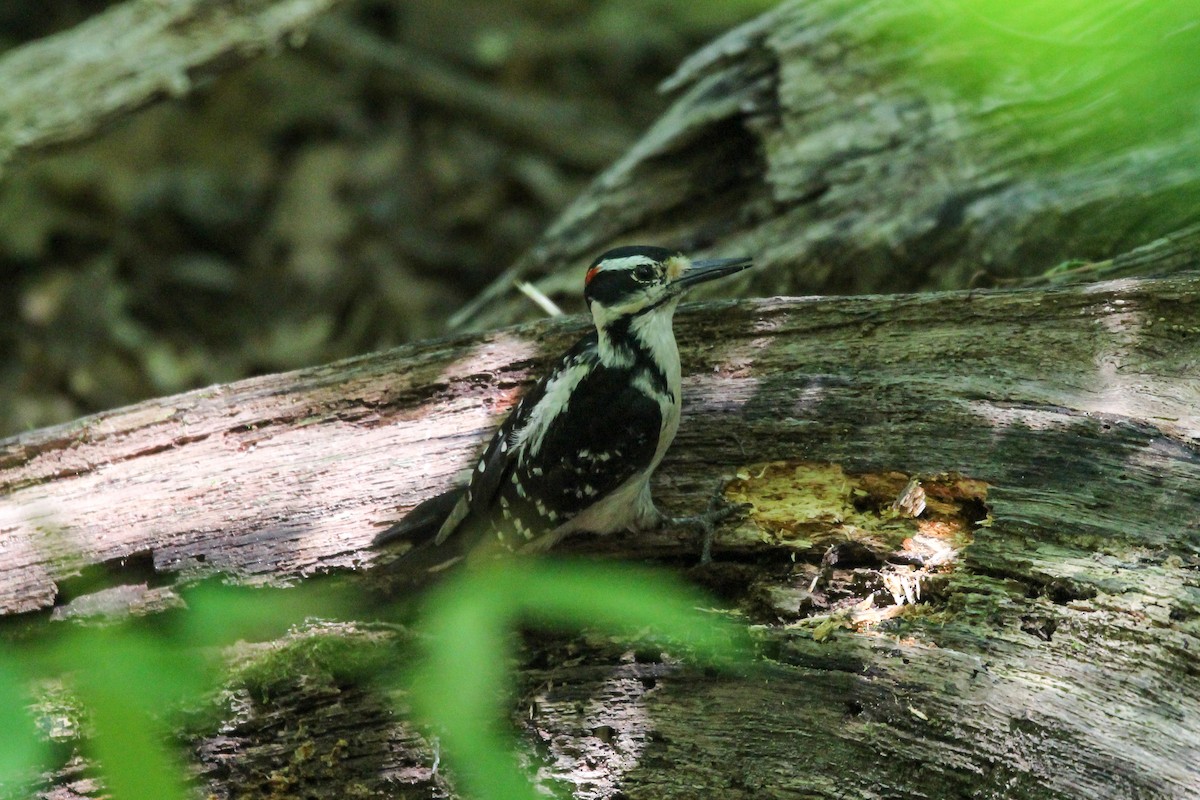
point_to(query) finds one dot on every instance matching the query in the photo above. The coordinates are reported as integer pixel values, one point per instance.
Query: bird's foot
(719, 509)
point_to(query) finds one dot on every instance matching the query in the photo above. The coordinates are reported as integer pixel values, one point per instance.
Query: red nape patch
(591, 273)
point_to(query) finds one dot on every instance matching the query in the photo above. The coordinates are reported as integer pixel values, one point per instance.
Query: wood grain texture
(1052, 656)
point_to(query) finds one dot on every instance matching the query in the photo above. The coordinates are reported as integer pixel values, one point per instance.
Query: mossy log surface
(1032, 633)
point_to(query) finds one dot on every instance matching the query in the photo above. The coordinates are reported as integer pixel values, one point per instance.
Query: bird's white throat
(652, 331)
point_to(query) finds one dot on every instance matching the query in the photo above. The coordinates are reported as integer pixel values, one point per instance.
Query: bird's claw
(719, 509)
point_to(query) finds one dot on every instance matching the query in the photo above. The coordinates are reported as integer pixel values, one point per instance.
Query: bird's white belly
(628, 507)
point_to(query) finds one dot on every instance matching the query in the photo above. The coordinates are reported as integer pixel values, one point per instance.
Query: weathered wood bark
(882, 147)
(64, 87)
(1051, 650)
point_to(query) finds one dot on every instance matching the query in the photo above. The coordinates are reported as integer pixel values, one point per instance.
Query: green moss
(324, 654)
(321, 657)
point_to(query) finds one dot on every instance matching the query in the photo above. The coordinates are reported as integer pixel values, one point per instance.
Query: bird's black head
(632, 280)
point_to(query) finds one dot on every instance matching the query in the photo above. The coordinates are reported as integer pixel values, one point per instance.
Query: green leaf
(20, 749)
(123, 678)
(222, 615)
(461, 690)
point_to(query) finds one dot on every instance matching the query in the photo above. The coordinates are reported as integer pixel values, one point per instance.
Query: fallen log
(1033, 631)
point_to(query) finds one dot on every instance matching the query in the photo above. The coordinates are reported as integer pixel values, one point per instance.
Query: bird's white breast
(654, 332)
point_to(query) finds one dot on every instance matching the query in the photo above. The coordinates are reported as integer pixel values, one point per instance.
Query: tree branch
(64, 87)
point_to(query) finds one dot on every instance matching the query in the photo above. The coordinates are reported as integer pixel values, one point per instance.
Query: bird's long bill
(709, 269)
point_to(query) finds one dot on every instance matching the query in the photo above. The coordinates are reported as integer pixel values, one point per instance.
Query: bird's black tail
(409, 559)
(421, 525)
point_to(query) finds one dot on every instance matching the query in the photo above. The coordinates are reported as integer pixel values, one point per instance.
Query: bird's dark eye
(645, 273)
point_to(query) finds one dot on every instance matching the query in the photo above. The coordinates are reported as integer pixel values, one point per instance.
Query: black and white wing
(581, 457)
(578, 435)
(494, 466)
(472, 505)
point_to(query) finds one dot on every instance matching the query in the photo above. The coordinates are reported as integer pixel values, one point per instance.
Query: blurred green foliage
(128, 676)
(19, 746)
(122, 677)
(132, 679)
(1073, 80)
(460, 688)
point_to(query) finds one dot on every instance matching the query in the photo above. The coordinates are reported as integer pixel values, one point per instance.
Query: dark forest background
(308, 206)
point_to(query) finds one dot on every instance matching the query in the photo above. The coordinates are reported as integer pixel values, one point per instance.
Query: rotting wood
(1052, 656)
(287, 475)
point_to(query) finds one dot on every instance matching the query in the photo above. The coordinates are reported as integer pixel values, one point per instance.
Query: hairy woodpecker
(577, 452)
